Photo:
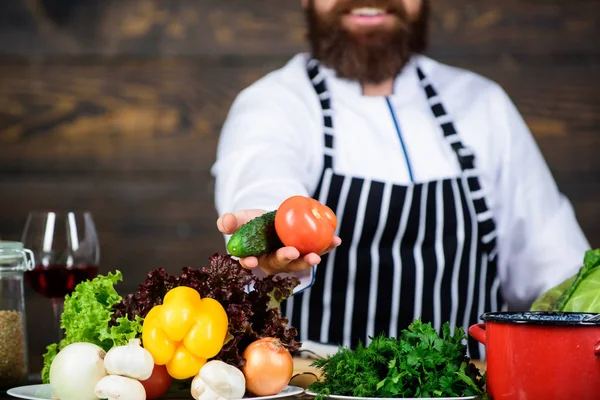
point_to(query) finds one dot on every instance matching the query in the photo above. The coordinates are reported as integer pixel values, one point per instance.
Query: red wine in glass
(56, 281)
(67, 252)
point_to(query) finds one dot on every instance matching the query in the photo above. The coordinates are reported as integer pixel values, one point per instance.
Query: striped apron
(424, 250)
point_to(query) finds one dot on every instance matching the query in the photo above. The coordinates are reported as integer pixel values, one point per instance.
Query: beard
(370, 55)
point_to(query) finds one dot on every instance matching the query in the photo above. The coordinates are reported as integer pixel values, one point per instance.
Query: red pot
(540, 355)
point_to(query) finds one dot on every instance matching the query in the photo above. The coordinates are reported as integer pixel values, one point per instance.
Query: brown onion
(268, 368)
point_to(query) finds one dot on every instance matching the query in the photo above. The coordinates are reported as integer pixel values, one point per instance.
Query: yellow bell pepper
(185, 331)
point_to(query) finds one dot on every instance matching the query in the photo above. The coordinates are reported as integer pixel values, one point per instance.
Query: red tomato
(306, 224)
(158, 383)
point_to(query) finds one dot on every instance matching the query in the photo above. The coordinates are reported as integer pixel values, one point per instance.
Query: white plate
(286, 392)
(308, 392)
(44, 392)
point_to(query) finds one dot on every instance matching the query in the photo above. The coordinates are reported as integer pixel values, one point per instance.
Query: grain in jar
(13, 366)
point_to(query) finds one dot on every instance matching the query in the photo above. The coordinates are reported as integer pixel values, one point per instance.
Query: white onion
(76, 370)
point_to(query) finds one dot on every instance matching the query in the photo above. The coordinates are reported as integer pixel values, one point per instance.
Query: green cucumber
(255, 238)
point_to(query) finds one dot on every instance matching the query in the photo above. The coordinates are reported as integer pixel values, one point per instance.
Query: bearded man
(446, 207)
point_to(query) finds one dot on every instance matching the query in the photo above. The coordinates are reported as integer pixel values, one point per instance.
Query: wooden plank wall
(115, 106)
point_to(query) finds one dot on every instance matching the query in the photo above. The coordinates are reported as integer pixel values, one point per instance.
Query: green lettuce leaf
(585, 296)
(51, 352)
(548, 300)
(580, 293)
(591, 263)
(87, 315)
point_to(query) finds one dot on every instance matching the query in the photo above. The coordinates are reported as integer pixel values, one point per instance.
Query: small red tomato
(158, 384)
(306, 224)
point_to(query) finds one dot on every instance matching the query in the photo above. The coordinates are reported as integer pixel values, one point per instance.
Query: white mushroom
(131, 360)
(218, 381)
(116, 387)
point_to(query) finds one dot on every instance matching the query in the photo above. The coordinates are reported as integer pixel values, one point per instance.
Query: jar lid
(10, 245)
(14, 257)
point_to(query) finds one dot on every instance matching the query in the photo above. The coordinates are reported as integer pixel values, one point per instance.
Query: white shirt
(271, 148)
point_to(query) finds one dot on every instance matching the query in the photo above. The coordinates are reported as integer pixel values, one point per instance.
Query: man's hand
(285, 259)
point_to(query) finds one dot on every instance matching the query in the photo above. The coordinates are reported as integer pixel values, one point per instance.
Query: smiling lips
(368, 16)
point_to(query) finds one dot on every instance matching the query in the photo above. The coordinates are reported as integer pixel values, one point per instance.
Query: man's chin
(381, 29)
(372, 38)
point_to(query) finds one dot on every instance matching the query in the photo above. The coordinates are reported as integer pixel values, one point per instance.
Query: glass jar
(14, 361)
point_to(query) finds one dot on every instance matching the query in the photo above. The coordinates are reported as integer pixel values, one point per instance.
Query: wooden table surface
(304, 375)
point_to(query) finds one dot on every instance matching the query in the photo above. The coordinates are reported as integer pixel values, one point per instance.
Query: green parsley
(420, 363)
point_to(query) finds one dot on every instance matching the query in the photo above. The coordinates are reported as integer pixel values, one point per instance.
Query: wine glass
(67, 252)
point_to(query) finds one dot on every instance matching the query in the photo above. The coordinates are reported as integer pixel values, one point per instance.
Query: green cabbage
(579, 293)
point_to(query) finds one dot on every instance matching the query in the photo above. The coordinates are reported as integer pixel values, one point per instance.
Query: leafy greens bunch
(420, 363)
(86, 315)
(579, 293)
